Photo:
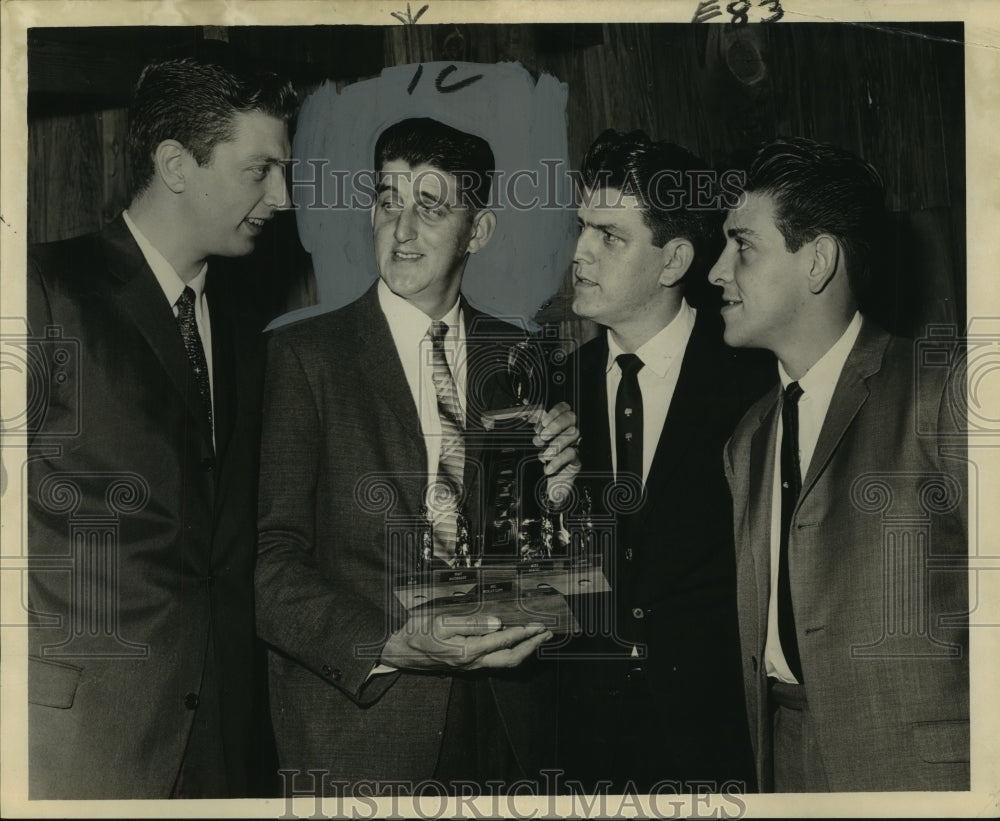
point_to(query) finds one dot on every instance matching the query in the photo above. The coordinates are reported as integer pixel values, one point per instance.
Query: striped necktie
(445, 495)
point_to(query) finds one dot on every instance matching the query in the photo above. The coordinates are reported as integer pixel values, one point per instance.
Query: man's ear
(677, 257)
(169, 160)
(825, 259)
(483, 226)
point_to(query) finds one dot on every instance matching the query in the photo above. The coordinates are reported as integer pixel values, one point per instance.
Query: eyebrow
(259, 158)
(610, 227)
(741, 232)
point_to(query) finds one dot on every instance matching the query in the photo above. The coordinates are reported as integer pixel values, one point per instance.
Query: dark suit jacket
(140, 537)
(676, 596)
(343, 472)
(877, 562)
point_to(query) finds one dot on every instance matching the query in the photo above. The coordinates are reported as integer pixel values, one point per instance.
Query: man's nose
(276, 193)
(584, 252)
(722, 271)
(405, 229)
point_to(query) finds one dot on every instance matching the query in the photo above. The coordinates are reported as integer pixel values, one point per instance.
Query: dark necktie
(791, 484)
(194, 349)
(447, 495)
(628, 417)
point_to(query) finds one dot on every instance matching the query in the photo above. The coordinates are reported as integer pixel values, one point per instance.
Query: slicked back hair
(426, 141)
(195, 103)
(660, 176)
(821, 188)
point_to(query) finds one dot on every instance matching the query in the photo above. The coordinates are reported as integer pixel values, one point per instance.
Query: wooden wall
(893, 94)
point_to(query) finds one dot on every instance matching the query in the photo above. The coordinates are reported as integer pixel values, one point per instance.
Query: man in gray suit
(357, 430)
(849, 497)
(141, 524)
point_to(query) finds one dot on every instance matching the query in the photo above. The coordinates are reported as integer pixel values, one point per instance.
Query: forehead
(258, 135)
(755, 213)
(610, 205)
(421, 179)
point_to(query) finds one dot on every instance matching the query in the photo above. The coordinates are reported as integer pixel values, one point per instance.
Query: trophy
(519, 527)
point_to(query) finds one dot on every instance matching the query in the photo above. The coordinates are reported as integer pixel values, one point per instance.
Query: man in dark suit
(144, 442)
(372, 423)
(657, 697)
(849, 497)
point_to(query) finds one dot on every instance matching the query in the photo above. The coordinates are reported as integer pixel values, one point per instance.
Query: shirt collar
(408, 322)
(821, 378)
(669, 343)
(170, 282)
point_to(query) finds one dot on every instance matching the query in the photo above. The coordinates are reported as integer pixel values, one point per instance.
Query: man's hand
(557, 432)
(429, 642)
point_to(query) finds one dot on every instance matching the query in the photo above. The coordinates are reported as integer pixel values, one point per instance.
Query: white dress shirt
(817, 385)
(408, 326)
(173, 286)
(661, 357)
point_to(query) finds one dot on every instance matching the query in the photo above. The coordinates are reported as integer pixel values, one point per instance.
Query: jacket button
(335, 675)
(191, 701)
(637, 612)
(753, 663)
(207, 464)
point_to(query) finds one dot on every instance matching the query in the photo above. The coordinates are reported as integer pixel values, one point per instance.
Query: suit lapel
(687, 407)
(141, 299)
(382, 370)
(592, 400)
(225, 397)
(849, 395)
(761, 486)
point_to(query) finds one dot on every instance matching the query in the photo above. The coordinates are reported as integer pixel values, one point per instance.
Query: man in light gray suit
(849, 488)
(356, 429)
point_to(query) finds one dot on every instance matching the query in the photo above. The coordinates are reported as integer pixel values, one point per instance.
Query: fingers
(548, 425)
(445, 627)
(561, 450)
(521, 644)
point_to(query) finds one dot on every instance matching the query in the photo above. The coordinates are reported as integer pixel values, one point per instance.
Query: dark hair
(194, 103)
(820, 188)
(659, 176)
(424, 141)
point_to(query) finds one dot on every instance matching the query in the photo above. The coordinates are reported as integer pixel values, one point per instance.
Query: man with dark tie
(657, 697)
(373, 426)
(849, 494)
(143, 444)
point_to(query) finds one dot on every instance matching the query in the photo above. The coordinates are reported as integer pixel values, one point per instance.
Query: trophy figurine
(514, 476)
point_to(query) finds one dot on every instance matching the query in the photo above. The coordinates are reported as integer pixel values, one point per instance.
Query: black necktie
(791, 484)
(194, 349)
(628, 417)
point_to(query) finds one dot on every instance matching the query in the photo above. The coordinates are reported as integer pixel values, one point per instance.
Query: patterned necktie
(791, 484)
(445, 498)
(194, 349)
(628, 416)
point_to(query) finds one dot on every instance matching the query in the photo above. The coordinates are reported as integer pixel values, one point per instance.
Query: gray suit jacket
(140, 534)
(343, 471)
(878, 564)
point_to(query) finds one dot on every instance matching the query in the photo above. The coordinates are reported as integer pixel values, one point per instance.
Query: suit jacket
(343, 473)
(140, 536)
(877, 562)
(676, 596)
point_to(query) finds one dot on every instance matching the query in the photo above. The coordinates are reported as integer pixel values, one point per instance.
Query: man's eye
(432, 211)
(610, 239)
(388, 204)
(259, 172)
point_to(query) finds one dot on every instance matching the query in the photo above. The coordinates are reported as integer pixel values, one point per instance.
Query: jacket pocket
(942, 742)
(51, 683)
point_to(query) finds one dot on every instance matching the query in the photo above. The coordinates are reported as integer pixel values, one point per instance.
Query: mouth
(583, 282)
(256, 223)
(404, 256)
(731, 303)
